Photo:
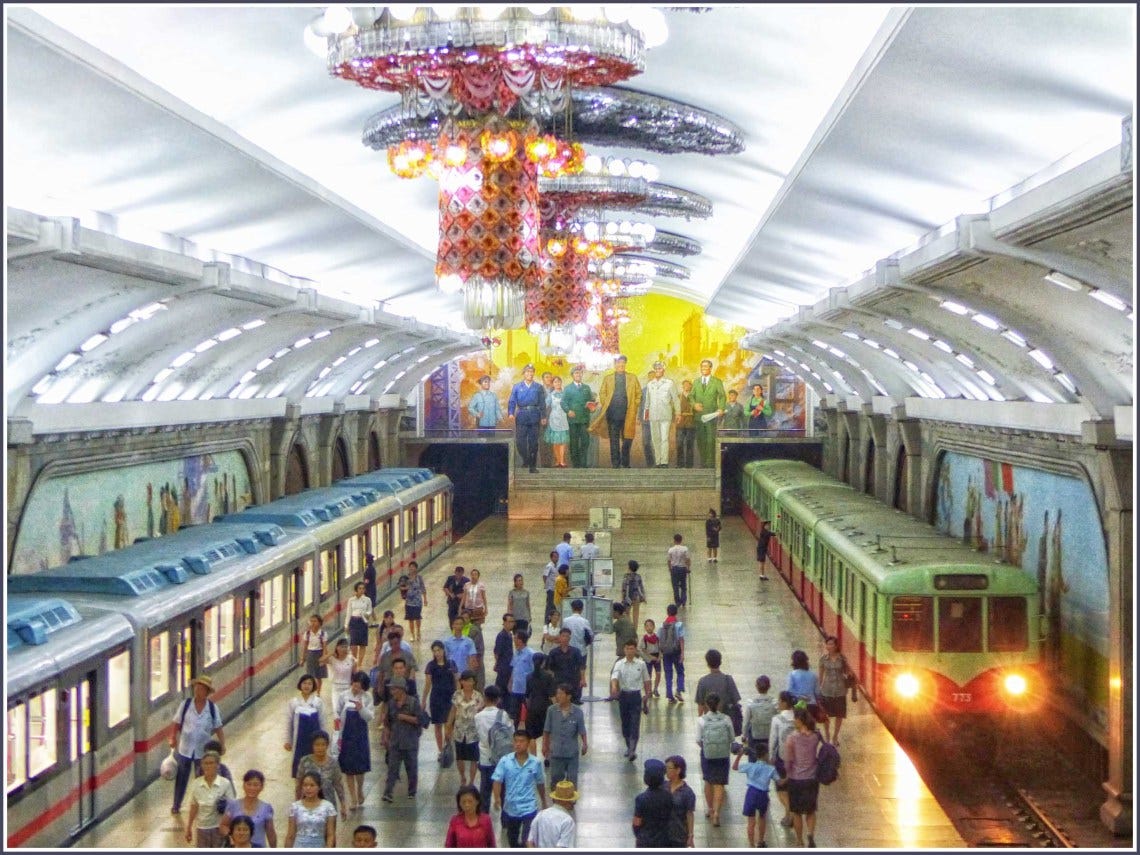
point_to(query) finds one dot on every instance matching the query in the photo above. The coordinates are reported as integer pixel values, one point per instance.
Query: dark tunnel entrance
(479, 472)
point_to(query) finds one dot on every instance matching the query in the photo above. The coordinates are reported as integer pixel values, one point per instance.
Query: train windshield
(960, 624)
(1009, 624)
(912, 623)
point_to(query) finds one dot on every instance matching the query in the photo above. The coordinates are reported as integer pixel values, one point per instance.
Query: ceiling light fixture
(1061, 280)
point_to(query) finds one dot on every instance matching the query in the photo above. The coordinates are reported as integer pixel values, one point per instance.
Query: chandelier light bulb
(402, 11)
(490, 11)
(590, 230)
(586, 12)
(317, 44)
(455, 155)
(651, 172)
(651, 21)
(445, 11)
(593, 164)
(612, 228)
(337, 19)
(636, 169)
(616, 167)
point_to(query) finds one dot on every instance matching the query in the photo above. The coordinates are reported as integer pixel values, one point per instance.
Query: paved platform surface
(879, 800)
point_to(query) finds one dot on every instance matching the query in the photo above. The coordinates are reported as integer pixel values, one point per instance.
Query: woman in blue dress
(305, 718)
(804, 686)
(557, 425)
(439, 688)
(354, 711)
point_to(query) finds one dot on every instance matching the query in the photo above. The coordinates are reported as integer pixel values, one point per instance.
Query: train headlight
(907, 685)
(1015, 684)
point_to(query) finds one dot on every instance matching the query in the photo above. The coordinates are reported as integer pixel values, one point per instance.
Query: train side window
(960, 624)
(159, 665)
(1008, 624)
(912, 623)
(422, 518)
(226, 612)
(17, 746)
(352, 563)
(183, 658)
(376, 540)
(307, 583)
(328, 570)
(41, 732)
(409, 527)
(210, 642)
(118, 688)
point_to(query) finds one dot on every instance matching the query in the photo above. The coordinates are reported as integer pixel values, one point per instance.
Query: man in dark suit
(527, 405)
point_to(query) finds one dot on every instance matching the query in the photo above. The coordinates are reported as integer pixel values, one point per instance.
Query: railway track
(1003, 790)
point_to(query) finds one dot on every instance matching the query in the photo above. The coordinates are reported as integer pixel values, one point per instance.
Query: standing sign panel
(602, 573)
(602, 615)
(579, 573)
(602, 518)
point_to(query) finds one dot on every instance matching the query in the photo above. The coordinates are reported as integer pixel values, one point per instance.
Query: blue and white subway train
(101, 650)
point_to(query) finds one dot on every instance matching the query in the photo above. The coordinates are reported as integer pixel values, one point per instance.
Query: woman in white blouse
(475, 598)
(359, 609)
(353, 712)
(305, 712)
(341, 668)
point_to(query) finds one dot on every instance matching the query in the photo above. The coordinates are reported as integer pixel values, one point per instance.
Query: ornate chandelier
(492, 74)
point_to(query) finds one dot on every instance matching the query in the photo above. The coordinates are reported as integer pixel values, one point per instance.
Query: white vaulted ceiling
(864, 127)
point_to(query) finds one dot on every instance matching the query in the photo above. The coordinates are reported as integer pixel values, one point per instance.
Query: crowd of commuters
(518, 742)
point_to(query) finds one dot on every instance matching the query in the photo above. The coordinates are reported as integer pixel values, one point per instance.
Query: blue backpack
(827, 760)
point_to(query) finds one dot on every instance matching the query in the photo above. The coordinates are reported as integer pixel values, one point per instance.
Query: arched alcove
(869, 469)
(900, 499)
(296, 471)
(373, 451)
(340, 467)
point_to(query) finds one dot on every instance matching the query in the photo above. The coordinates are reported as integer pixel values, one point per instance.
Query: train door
(329, 591)
(80, 712)
(244, 636)
(866, 641)
(296, 586)
(184, 647)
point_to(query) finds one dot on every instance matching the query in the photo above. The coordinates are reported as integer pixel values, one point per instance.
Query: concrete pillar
(1116, 470)
(875, 427)
(282, 432)
(911, 435)
(852, 422)
(833, 441)
(328, 429)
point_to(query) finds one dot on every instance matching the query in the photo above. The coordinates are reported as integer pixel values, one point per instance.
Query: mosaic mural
(1047, 524)
(95, 512)
(674, 331)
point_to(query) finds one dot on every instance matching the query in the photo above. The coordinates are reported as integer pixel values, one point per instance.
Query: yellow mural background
(660, 327)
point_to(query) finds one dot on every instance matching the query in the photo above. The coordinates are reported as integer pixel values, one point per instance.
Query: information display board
(602, 539)
(601, 614)
(579, 572)
(603, 518)
(602, 573)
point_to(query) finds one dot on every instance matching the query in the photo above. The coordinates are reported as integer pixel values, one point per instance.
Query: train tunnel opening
(734, 456)
(479, 472)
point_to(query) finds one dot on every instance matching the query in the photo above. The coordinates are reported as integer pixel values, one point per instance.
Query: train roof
(48, 635)
(890, 545)
(311, 508)
(190, 559)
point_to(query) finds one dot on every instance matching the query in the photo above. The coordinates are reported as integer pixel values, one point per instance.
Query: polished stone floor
(878, 802)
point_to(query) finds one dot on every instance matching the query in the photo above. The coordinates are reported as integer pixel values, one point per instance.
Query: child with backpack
(650, 649)
(714, 735)
(758, 715)
(760, 774)
(671, 641)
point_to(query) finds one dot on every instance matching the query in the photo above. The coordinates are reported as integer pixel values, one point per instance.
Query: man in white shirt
(554, 827)
(590, 549)
(549, 574)
(628, 681)
(679, 561)
(196, 722)
(661, 406)
(580, 634)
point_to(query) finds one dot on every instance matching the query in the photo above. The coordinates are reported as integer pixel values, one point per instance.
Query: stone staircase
(640, 493)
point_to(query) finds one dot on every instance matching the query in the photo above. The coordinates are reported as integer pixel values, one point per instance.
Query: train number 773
(961, 697)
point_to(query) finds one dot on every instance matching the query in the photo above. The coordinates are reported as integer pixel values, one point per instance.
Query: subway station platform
(879, 800)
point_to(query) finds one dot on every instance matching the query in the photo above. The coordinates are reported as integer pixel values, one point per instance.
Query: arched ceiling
(202, 160)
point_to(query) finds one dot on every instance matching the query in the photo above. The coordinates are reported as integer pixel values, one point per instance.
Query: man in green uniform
(576, 398)
(708, 397)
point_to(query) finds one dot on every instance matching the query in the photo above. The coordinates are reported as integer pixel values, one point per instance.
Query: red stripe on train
(53, 813)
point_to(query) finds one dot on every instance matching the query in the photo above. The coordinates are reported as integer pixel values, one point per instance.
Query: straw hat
(564, 792)
(205, 681)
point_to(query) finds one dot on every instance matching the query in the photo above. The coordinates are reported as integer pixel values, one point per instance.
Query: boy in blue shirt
(760, 774)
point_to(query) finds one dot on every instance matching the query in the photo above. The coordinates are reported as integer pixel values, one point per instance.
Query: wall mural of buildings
(1046, 524)
(95, 512)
